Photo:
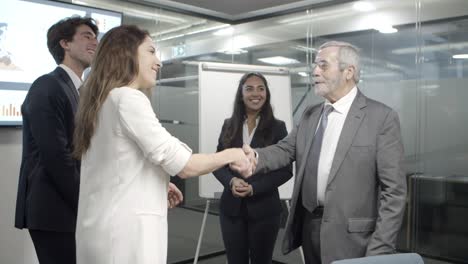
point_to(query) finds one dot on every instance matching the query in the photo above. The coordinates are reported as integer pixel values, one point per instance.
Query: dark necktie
(309, 183)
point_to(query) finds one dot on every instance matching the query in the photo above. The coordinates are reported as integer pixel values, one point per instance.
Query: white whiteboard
(217, 89)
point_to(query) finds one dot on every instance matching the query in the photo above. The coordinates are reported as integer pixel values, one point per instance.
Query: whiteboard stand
(300, 248)
(202, 231)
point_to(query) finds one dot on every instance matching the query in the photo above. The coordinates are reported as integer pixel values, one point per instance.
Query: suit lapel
(69, 86)
(352, 123)
(238, 141)
(254, 143)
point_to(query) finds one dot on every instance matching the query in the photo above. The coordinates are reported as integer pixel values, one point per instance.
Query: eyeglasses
(323, 65)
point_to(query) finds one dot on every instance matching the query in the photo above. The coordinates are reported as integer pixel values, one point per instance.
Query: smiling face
(148, 65)
(80, 51)
(254, 94)
(328, 77)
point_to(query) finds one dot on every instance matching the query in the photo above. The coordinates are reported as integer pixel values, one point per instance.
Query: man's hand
(240, 188)
(174, 196)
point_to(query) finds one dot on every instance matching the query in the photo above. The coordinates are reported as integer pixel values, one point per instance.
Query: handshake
(245, 161)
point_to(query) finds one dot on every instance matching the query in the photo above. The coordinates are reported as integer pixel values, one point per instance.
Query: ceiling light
(182, 28)
(381, 22)
(334, 13)
(433, 48)
(236, 45)
(303, 74)
(146, 13)
(278, 60)
(234, 51)
(304, 48)
(224, 32)
(460, 56)
(169, 38)
(386, 29)
(363, 6)
(430, 86)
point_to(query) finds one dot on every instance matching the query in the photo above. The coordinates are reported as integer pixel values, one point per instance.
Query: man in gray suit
(350, 187)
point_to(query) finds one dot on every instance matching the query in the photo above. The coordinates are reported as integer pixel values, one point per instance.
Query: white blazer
(122, 211)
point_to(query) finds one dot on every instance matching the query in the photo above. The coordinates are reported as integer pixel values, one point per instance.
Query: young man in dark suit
(48, 186)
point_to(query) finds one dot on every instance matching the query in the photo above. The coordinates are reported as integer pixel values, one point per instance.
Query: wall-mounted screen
(23, 46)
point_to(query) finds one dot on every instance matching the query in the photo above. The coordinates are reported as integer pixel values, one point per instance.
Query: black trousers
(54, 247)
(311, 235)
(245, 237)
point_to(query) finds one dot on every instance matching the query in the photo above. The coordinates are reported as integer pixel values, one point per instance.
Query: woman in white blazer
(127, 156)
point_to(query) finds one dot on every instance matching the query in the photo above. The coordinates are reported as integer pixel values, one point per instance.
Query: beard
(328, 87)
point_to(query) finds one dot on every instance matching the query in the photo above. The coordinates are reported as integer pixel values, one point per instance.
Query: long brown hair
(115, 65)
(236, 121)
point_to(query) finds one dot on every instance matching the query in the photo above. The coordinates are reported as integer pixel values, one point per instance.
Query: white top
(75, 78)
(122, 211)
(246, 137)
(331, 135)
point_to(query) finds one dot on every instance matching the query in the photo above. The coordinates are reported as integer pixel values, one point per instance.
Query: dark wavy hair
(65, 29)
(234, 126)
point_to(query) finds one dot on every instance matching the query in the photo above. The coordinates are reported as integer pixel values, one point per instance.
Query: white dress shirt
(75, 78)
(331, 136)
(246, 137)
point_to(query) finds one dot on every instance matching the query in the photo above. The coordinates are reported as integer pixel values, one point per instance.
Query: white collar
(75, 78)
(344, 103)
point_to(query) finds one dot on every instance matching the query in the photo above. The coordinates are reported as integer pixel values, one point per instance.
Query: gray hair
(348, 55)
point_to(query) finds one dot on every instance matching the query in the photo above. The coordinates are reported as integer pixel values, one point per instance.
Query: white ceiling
(235, 11)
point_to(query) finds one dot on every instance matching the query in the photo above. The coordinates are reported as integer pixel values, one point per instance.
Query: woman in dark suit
(250, 208)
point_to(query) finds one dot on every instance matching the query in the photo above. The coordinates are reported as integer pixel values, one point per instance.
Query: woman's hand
(240, 188)
(174, 196)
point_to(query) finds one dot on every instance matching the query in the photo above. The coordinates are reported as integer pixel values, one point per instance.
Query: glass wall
(414, 55)
(440, 196)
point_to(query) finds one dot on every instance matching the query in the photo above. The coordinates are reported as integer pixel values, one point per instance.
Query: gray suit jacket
(366, 191)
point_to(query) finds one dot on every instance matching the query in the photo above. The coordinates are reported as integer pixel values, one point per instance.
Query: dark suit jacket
(265, 200)
(366, 190)
(49, 176)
